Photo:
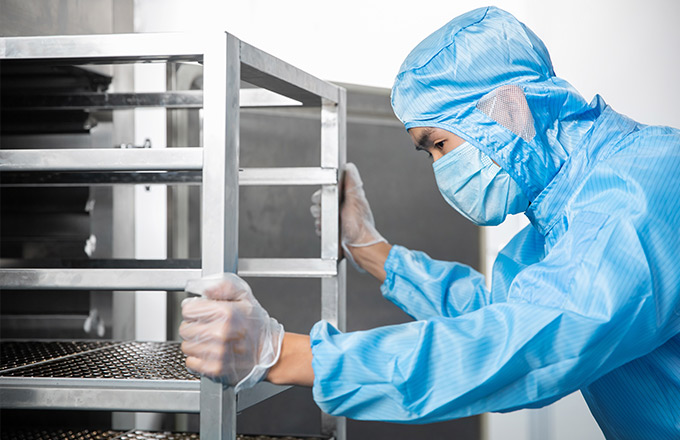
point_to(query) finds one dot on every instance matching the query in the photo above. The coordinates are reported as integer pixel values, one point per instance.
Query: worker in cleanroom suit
(586, 297)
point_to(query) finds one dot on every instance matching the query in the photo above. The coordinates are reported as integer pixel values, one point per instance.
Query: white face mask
(476, 187)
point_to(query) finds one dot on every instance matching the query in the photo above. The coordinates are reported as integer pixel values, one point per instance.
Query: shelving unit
(38, 434)
(226, 62)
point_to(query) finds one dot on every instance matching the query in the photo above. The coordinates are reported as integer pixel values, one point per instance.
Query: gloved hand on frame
(356, 219)
(227, 334)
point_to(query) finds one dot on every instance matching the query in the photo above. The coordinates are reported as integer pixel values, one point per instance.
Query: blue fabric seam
(451, 41)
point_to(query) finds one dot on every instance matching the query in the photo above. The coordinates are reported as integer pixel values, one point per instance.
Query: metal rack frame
(226, 62)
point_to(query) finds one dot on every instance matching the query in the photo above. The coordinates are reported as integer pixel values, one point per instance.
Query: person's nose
(436, 155)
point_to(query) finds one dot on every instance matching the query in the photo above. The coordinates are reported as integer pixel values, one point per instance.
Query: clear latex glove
(227, 334)
(356, 219)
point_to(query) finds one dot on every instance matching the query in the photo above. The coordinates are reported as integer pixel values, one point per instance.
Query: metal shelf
(117, 394)
(97, 279)
(120, 48)
(257, 67)
(119, 376)
(102, 159)
(288, 267)
(263, 70)
(287, 176)
(104, 101)
(94, 434)
(185, 99)
(14, 179)
(156, 279)
(64, 434)
(15, 354)
(247, 176)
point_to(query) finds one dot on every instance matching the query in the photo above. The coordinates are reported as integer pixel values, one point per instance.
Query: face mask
(476, 187)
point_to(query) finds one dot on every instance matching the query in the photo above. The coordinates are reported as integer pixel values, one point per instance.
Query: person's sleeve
(596, 302)
(424, 287)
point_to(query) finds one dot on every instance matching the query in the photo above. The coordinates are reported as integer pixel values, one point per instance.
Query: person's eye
(439, 145)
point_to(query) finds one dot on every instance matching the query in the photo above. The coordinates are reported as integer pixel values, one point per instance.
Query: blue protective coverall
(586, 297)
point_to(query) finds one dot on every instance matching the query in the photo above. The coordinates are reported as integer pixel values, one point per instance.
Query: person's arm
(372, 258)
(589, 307)
(424, 287)
(295, 362)
(294, 366)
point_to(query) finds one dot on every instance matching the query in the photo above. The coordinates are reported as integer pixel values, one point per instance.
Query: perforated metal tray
(112, 376)
(59, 434)
(123, 360)
(15, 354)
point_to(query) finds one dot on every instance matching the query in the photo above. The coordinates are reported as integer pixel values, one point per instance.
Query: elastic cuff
(391, 265)
(370, 243)
(321, 335)
(349, 256)
(259, 372)
(326, 362)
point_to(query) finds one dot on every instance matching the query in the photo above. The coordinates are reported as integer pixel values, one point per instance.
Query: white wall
(625, 50)
(150, 207)
(355, 41)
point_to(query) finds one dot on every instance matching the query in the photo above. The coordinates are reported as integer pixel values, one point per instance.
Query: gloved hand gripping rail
(227, 334)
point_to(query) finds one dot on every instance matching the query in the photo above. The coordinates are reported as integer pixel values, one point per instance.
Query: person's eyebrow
(424, 140)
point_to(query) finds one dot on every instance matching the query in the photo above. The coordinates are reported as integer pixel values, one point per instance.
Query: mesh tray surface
(144, 435)
(124, 360)
(19, 353)
(58, 434)
(42, 434)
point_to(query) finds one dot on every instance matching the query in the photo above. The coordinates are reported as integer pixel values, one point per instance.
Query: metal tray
(122, 360)
(61, 434)
(105, 375)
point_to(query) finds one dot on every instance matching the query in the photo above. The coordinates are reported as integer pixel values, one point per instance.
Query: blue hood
(445, 81)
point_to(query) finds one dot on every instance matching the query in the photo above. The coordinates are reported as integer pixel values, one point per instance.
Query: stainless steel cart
(227, 62)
